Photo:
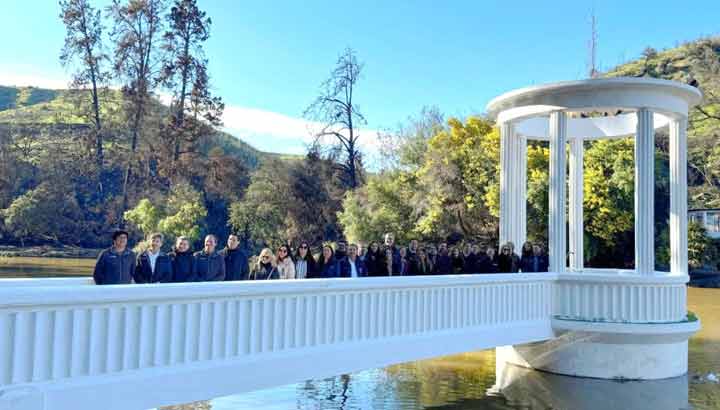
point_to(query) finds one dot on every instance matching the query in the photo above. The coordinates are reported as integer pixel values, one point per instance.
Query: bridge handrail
(38, 296)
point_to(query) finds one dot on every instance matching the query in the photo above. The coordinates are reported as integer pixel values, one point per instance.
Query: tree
(382, 205)
(137, 25)
(459, 180)
(261, 217)
(698, 243)
(44, 212)
(180, 216)
(84, 44)
(406, 147)
(145, 216)
(185, 73)
(340, 117)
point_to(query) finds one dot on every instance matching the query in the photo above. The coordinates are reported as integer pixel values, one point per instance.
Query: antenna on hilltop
(593, 71)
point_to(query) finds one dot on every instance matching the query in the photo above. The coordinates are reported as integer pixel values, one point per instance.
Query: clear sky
(267, 58)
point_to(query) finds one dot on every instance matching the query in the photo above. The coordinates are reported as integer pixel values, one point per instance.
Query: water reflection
(528, 389)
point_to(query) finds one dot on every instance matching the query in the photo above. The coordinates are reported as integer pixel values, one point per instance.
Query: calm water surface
(467, 381)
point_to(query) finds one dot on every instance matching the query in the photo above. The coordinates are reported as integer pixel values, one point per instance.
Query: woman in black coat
(526, 258)
(374, 260)
(305, 265)
(265, 267)
(508, 261)
(327, 266)
(457, 261)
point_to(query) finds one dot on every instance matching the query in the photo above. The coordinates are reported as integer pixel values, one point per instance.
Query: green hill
(30, 106)
(696, 63)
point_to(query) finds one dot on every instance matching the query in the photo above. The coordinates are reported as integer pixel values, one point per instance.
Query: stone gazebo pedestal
(609, 323)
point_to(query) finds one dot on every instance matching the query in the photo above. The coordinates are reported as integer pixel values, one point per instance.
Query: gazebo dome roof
(667, 99)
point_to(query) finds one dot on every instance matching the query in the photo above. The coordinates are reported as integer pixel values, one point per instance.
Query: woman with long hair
(508, 261)
(492, 263)
(265, 267)
(388, 263)
(457, 261)
(373, 260)
(304, 262)
(285, 264)
(424, 265)
(327, 265)
(526, 258)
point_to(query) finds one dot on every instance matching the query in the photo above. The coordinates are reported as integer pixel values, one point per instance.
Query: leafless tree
(340, 116)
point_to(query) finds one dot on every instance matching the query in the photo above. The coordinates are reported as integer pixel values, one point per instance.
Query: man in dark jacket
(182, 261)
(208, 265)
(483, 264)
(352, 266)
(236, 260)
(153, 266)
(341, 251)
(396, 259)
(116, 264)
(413, 260)
(444, 263)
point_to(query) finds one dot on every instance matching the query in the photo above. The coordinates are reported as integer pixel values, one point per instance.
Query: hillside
(53, 191)
(696, 63)
(31, 106)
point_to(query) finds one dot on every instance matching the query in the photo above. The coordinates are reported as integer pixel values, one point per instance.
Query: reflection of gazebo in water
(566, 113)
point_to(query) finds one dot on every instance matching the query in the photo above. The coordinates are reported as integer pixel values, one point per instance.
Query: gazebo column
(678, 197)
(644, 193)
(576, 204)
(513, 185)
(556, 193)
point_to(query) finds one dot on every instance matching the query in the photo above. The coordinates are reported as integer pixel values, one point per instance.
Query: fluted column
(513, 185)
(556, 193)
(576, 204)
(678, 197)
(644, 193)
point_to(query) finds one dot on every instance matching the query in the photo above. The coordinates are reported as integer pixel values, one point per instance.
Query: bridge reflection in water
(461, 382)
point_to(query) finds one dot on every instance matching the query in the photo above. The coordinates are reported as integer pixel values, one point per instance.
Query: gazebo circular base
(620, 351)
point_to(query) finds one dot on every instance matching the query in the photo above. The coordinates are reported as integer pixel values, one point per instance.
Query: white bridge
(79, 346)
(67, 344)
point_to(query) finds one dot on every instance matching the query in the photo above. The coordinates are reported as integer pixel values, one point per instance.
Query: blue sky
(267, 58)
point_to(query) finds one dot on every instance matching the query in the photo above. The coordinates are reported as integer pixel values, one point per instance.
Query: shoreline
(48, 252)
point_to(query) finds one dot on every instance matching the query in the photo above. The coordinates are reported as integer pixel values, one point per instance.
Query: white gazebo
(603, 303)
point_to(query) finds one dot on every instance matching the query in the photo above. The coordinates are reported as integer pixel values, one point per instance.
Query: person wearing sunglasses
(304, 262)
(285, 264)
(265, 268)
(508, 261)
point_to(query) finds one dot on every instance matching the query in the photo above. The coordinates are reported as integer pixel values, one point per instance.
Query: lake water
(466, 381)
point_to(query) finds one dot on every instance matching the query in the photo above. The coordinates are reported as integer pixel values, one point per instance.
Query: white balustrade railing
(39, 282)
(621, 298)
(51, 333)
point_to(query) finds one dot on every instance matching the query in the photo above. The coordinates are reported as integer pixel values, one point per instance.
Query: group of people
(120, 265)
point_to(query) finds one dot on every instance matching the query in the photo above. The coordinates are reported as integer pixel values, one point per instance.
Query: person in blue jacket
(208, 265)
(153, 265)
(352, 266)
(237, 266)
(115, 265)
(327, 266)
(182, 261)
